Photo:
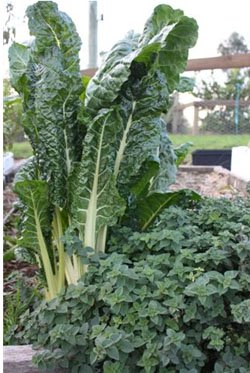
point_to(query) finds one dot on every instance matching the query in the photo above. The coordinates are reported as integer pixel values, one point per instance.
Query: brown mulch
(210, 184)
(27, 270)
(10, 230)
(8, 199)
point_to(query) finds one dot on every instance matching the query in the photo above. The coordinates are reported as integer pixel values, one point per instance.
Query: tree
(237, 83)
(12, 114)
(9, 31)
(12, 106)
(233, 45)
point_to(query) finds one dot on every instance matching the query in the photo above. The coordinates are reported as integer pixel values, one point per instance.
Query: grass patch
(211, 141)
(22, 150)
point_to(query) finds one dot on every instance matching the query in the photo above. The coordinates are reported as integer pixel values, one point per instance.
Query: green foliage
(222, 120)
(20, 297)
(93, 142)
(182, 151)
(236, 43)
(175, 299)
(22, 149)
(12, 113)
(9, 30)
(209, 141)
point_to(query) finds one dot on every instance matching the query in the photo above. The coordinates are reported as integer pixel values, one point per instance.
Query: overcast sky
(217, 19)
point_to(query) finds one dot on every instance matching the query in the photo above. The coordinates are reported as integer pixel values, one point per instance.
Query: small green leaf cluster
(174, 299)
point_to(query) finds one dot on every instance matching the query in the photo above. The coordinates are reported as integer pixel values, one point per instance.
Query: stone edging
(232, 180)
(19, 359)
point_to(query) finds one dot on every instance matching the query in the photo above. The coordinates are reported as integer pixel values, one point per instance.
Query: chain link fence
(209, 117)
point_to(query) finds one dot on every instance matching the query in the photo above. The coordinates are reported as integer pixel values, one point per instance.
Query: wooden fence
(211, 63)
(204, 104)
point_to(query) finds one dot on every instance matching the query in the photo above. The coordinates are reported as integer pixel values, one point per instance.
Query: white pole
(93, 22)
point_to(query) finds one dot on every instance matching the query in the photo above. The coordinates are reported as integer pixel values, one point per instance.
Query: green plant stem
(50, 277)
(102, 234)
(70, 271)
(101, 239)
(61, 256)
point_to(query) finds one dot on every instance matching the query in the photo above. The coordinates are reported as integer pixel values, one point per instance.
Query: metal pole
(93, 22)
(236, 111)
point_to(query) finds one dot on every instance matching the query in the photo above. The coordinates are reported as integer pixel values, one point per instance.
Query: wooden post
(175, 118)
(196, 121)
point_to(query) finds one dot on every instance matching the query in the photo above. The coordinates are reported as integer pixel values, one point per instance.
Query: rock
(18, 359)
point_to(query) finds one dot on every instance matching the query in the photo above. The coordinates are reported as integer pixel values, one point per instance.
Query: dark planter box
(212, 157)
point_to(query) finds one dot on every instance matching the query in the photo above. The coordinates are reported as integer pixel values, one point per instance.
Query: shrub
(174, 299)
(222, 121)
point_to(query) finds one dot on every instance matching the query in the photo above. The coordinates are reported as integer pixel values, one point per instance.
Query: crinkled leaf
(141, 90)
(177, 33)
(51, 94)
(151, 206)
(186, 84)
(141, 184)
(167, 155)
(28, 171)
(104, 88)
(19, 57)
(34, 197)
(181, 152)
(140, 135)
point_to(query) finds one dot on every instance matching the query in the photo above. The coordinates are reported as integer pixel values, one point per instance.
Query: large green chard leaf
(173, 54)
(166, 39)
(28, 171)
(141, 104)
(104, 87)
(19, 58)
(51, 94)
(96, 200)
(34, 196)
(181, 152)
(167, 172)
(149, 74)
(36, 223)
(134, 79)
(141, 184)
(150, 207)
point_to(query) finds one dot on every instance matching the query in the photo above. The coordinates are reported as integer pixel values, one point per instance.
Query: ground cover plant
(100, 155)
(172, 299)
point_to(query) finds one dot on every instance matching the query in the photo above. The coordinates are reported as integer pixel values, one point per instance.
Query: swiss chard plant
(101, 153)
